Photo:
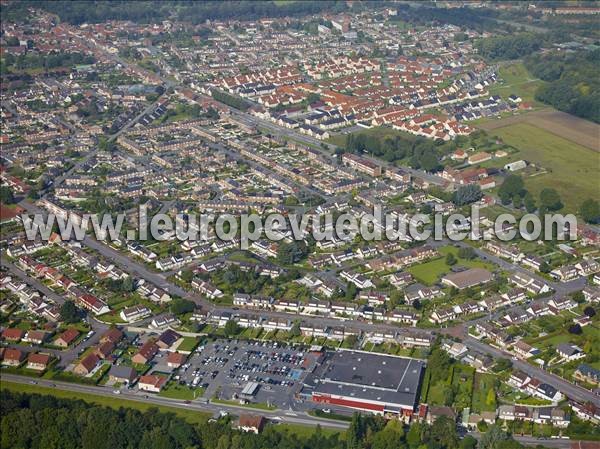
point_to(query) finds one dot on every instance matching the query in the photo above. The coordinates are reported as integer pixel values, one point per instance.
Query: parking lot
(225, 367)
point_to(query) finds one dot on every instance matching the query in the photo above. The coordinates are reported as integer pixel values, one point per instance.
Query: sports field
(571, 169)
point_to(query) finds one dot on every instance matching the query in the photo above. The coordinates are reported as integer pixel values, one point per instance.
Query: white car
(117, 391)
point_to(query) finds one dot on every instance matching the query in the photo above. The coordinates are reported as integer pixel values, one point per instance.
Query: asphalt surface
(149, 398)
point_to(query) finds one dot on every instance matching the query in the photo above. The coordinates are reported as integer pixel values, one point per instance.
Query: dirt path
(567, 126)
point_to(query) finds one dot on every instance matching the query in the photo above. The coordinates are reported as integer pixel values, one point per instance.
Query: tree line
(79, 11)
(573, 81)
(44, 422)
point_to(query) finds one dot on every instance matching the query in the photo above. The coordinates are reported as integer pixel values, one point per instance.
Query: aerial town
(312, 109)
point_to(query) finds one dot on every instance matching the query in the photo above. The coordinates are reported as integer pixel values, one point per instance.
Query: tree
(443, 430)
(512, 185)
(69, 313)
(491, 398)
(6, 195)
(575, 329)
(466, 252)
(578, 297)
(518, 201)
(468, 442)
(550, 199)
(503, 364)
(290, 253)
(529, 203)
(590, 211)
(351, 340)
(439, 364)
(545, 267)
(450, 259)
(429, 161)
(467, 194)
(390, 437)
(187, 275)
(295, 330)
(589, 311)
(493, 438)
(351, 291)
(414, 437)
(180, 306)
(231, 328)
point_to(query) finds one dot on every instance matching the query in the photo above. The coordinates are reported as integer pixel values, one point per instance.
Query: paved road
(33, 282)
(572, 391)
(282, 416)
(134, 395)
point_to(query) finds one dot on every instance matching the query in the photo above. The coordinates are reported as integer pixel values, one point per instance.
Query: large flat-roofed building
(376, 383)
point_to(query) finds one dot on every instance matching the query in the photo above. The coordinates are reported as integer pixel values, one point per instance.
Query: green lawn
(430, 272)
(481, 386)
(518, 81)
(188, 344)
(572, 169)
(175, 391)
(111, 401)
(307, 431)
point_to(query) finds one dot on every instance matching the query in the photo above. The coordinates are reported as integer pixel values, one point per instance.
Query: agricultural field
(571, 169)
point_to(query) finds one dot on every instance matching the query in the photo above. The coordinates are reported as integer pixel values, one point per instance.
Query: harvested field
(567, 126)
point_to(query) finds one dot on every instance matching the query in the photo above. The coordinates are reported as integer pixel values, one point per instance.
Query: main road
(571, 390)
(282, 416)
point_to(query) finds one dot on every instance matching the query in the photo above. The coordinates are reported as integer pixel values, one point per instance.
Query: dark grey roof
(122, 372)
(371, 377)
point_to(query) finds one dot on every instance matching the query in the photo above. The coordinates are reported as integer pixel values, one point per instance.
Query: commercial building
(377, 383)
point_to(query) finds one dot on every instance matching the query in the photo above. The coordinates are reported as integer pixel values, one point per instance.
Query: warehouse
(381, 384)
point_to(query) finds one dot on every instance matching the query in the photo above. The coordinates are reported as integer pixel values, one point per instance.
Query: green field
(482, 384)
(111, 401)
(572, 169)
(188, 344)
(307, 431)
(518, 81)
(430, 272)
(175, 391)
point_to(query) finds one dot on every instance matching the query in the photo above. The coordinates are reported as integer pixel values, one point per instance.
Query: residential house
(67, 338)
(175, 359)
(38, 361)
(167, 339)
(569, 352)
(251, 423)
(152, 383)
(13, 357)
(86, 365)
(122, 374)
(586, 373)
(146, 353)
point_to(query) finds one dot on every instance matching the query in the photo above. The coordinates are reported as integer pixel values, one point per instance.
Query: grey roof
(371, 377)
(122, 372)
